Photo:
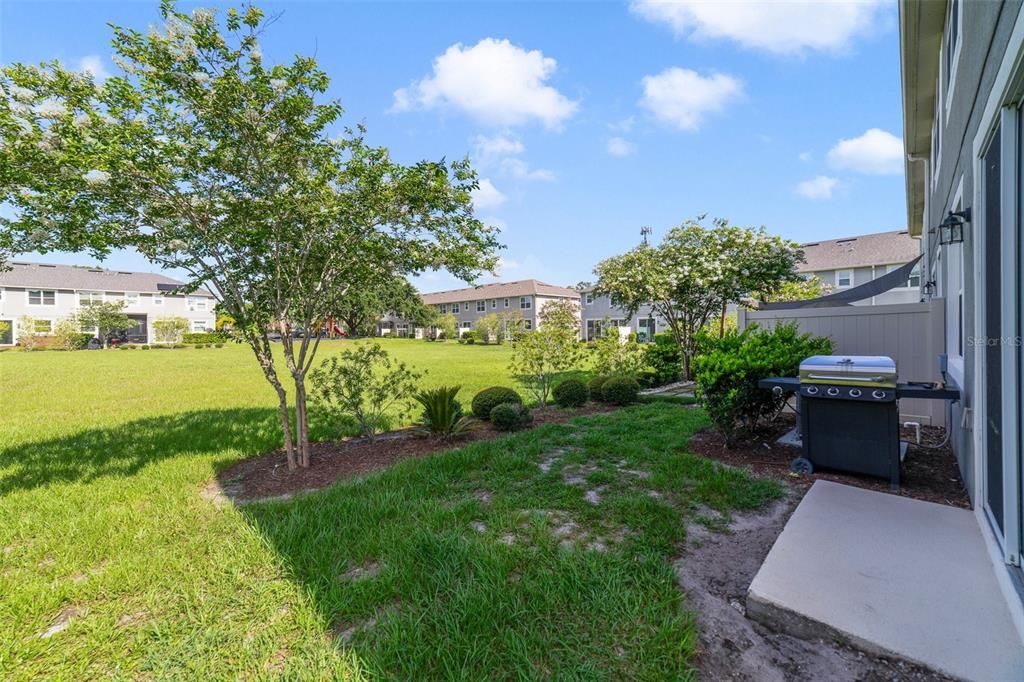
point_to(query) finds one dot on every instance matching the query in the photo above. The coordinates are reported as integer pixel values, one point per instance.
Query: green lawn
(477, 560)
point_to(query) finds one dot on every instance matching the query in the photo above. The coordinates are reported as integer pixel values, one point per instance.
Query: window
(590, 298)
(455, 307)
(494, 303)
(525, 303)
(915, 277)
(467, 325)
(115, 296)
(844, 278)
(158, 299)
(506, 302)
(197, 303)
(131, 299)
(481, 306)
(42, 297)
(42, 326)
(200, 326)
(951, 48)
(527, 324)
(89, 297)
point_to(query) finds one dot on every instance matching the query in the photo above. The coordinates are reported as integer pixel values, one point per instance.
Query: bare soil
(716, 571)
(929, 473)
(267, 476)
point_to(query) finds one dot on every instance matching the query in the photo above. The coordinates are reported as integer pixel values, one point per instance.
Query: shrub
(510, 416)
(145, 346)
(67, 335)
(169, 329)
(570, 393)
(728, 373)
(616, 356)
(485, 400)
(204, 337)
(218, 345)
(442, 413)
(539, 356)
(363, 384)
(662, 357)
(177, 345)
(199, 345)
(469, 337)
(620, 390)
(595, 386)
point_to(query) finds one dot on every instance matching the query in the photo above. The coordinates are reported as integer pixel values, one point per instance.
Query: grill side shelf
(792, 385)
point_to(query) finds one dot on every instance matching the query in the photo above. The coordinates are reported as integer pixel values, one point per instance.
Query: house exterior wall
(863, 275)
(595, 309)
(14, 305)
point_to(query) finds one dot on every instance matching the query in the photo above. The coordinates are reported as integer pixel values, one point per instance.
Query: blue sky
(588, 120)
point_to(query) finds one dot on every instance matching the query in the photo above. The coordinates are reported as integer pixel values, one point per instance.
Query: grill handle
(848, 377)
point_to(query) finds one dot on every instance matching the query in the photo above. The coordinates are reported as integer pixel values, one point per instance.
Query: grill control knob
(812, 390)
(833, 391)
(878, 395)
(854, 392)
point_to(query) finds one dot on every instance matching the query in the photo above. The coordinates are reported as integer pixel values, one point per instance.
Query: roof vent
(46, 265)
(95, 270)
(122, 272)
(813, 244)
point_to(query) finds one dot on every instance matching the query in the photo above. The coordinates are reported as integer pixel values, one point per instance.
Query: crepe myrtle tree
(206, 159)
(541, 355)
(106, 317)
(695, 272)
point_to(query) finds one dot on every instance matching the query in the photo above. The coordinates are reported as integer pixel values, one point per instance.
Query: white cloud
(501, 144)
(520, 170)
(93, 64)
(682, 98)
(820, 187)
(790, 27)
(495, 82)
(487, 196)
(623, 126)
(619, 147)
(876, 152)
(805, 156)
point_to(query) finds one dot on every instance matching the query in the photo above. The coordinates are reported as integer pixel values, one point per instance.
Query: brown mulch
(267, 476)
(931, 475)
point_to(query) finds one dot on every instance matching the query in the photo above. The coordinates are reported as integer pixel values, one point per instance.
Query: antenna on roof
(645, 231)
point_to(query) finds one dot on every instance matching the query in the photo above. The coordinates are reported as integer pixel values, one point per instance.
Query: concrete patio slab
(892, 576)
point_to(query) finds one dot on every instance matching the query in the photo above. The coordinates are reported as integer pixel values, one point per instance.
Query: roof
(882, 248)
(524, 287)
(921, 27)
(86, 278)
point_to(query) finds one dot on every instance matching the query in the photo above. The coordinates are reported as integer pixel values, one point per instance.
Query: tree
(360, 310)
(169, 329)
(448, 326)
(489, 327)
(796, 290)
(615, 356)
(205, 159)
(68, 333)
(695, 273)
(27, 337)
(106, 318)
(552, 348)
(512, 326)
(5, 329)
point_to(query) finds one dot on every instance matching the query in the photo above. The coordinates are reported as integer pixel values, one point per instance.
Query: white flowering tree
(695, 273)
(204, 158)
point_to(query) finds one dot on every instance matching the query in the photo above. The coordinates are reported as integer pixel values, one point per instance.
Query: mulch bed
(931, 475)
(267, 476)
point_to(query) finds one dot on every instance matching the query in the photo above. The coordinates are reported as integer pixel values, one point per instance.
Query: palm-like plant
(442, 414)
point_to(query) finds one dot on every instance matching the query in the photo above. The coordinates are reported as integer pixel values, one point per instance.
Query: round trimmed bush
(510, 416)
(596, 385)
(620, 390)
(485, 400)
(570, 393)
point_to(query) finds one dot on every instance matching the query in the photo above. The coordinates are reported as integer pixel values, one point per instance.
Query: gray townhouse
(47, 293)
(962, 67)
(852, 261)
(523, 298)
(598, 313)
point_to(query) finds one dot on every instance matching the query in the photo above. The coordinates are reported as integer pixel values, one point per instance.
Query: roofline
(921, 26)
(852, 236)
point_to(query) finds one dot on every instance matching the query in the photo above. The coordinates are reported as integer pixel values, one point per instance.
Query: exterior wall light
(951, 230)
(929, 288)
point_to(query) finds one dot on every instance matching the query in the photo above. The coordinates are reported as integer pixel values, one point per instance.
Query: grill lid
(849, 370)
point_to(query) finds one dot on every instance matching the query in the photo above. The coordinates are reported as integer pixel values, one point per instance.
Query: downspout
(926, 267)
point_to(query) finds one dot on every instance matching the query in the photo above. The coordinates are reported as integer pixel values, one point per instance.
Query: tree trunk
(721, 328)
(286, 425)
(301, 419)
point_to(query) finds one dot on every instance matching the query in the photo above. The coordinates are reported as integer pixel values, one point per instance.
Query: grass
(477, 559)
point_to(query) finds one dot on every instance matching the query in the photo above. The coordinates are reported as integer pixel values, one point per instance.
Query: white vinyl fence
(912, 334)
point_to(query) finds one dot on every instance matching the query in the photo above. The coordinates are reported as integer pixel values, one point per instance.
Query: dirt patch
(62, 621)
(267, 477)
(363, 571)
(716, 571)
(929, 473)
(130, 619)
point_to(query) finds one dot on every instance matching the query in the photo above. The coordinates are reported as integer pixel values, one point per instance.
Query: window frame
(42, 332)
(525, 303)
(949, 62)
(42, 298)
(481, 306)
(839, 278)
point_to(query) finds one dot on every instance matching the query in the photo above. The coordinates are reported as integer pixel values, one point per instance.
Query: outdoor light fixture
(929, 288)
(951, 230)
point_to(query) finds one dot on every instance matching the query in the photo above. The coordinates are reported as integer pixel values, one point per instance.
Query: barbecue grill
(849, 418)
